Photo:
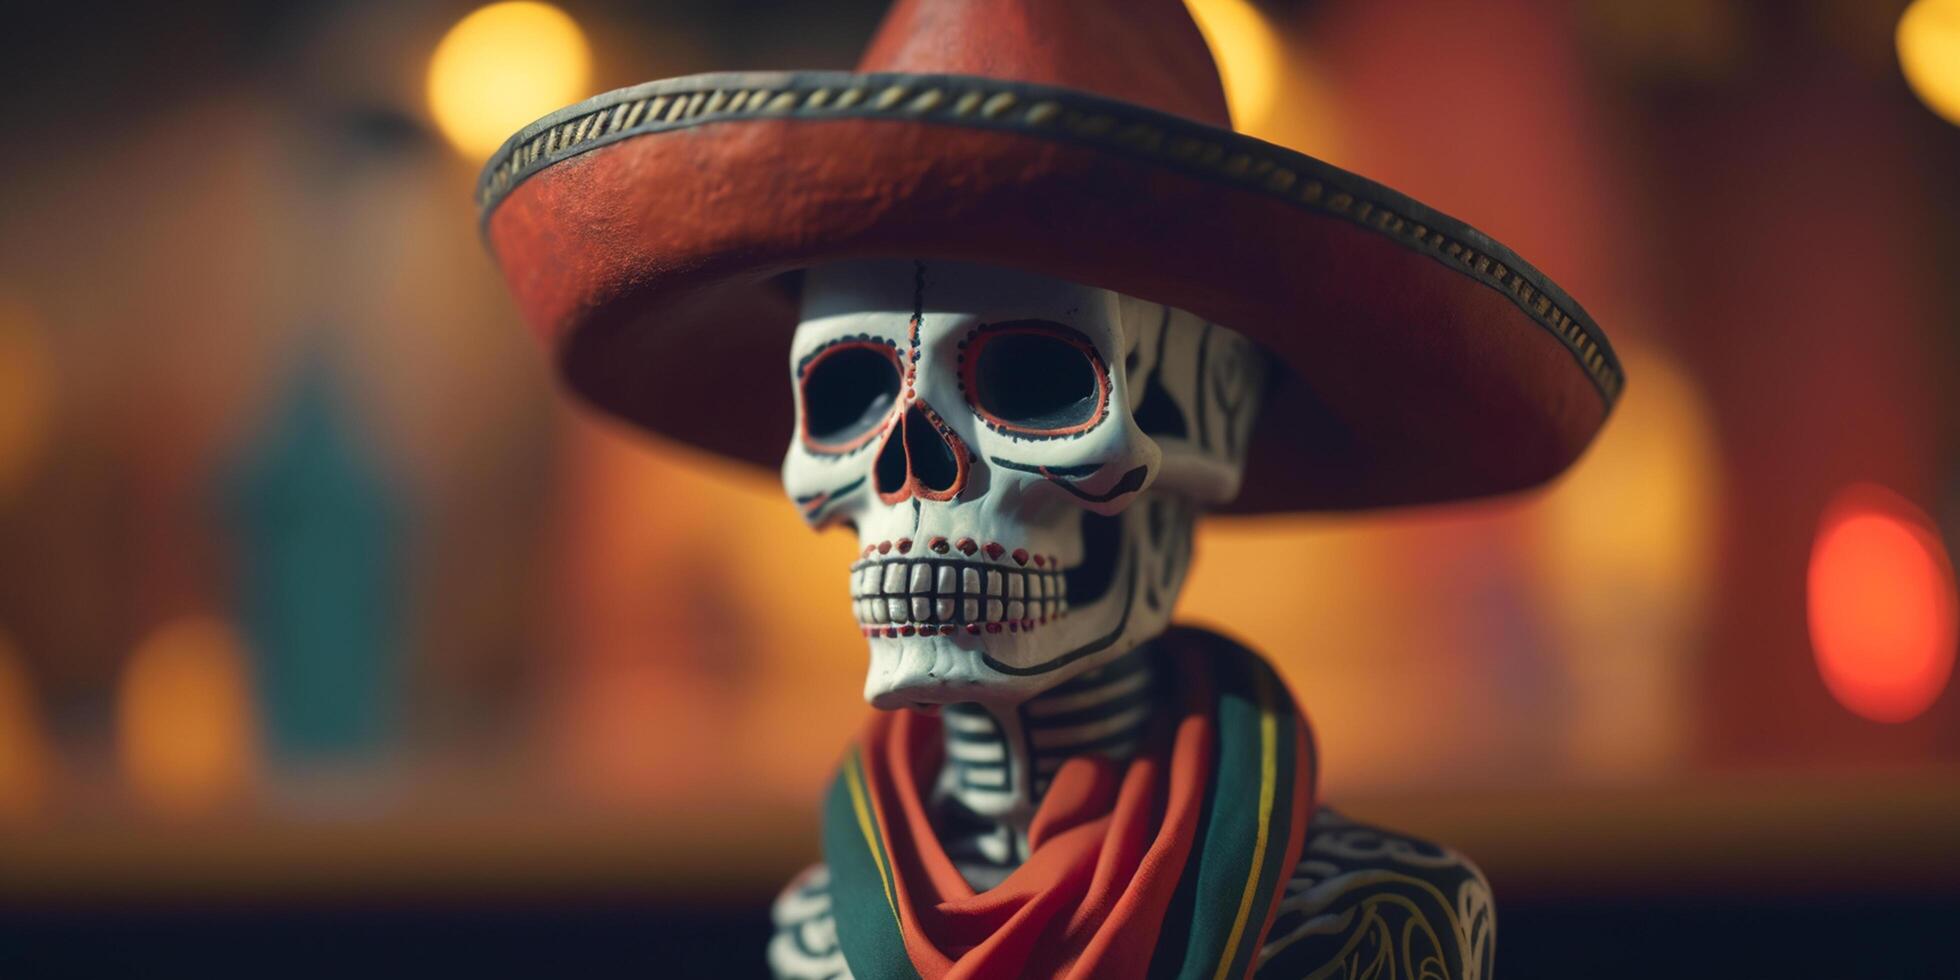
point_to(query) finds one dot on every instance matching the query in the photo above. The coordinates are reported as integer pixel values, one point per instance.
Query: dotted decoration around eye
(854, 394)
(1050, 416)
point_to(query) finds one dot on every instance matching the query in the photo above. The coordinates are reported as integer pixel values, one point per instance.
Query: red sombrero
(647, 233)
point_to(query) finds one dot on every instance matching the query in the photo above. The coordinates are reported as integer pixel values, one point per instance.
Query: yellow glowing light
(26, 393)
(1628, 531)
(502, 67)
(1929, 54)
(185, 728)
(24, 752)
(1248, 55)
(1625, 560)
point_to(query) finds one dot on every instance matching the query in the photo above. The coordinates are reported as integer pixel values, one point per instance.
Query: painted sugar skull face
(1022, 460)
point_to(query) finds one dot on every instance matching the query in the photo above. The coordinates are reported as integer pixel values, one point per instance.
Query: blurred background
(331, 635)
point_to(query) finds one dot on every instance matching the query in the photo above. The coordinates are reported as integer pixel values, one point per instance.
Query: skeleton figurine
(1041, 307)
(1022, 460)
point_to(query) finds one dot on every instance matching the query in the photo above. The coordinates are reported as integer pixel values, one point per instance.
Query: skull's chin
(925, 671)
(922, 671)
(917, 671)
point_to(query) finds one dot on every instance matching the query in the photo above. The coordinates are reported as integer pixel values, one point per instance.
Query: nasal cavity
(922, 457)
(934, 454)
(890, 474)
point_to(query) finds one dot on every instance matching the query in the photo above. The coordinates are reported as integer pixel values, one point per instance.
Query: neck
(1001, 758)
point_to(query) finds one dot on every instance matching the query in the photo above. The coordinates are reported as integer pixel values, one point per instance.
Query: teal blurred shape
(318, 542)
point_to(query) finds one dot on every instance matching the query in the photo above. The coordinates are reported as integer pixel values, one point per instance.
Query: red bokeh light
(1882, 605)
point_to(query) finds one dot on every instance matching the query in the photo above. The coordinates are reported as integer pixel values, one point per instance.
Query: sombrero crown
(646, 234)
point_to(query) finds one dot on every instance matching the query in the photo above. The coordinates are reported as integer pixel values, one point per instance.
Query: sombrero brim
(646, 234)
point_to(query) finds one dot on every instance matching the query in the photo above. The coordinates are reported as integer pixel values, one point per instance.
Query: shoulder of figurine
(1215, 649)
(807, 896)
(1228, 661)
(804, 946)
(1362, 894)
(1182, 635)
(1337, 844)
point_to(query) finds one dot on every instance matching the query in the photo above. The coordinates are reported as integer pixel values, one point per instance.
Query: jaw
(924, 669)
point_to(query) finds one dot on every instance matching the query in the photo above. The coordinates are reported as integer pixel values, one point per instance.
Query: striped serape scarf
(1167, 865)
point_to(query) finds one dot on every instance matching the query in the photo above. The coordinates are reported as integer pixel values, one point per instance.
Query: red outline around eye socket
(884, 347)
(986, 333)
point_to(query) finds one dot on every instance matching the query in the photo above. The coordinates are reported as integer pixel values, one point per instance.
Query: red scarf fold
(1108, 847)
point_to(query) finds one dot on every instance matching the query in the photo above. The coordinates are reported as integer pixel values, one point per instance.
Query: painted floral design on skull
(1022, 459)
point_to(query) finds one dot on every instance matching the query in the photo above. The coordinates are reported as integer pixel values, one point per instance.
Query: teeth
(952, 592)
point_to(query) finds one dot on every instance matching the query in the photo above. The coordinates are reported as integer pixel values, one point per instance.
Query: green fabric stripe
(1214, 877)
(866, 931)
(1228, 846)
(1273, 870)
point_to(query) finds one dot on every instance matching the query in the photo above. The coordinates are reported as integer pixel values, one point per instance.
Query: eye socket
(1037, 378)
(848, 387)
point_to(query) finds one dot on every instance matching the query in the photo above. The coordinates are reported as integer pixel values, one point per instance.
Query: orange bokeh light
(1882, 606)
(185, 724)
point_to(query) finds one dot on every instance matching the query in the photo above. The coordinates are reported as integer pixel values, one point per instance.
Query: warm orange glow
(646, 664)
(1623, 549)
(1247, 50)
(185, 725)
(24, 752)
(504, 66)
(1929, 54)
(26, 393)
(1882, 605)
(1626, 534)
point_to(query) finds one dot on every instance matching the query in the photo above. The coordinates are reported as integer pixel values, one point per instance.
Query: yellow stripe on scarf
(854, 778)
(1268, 774)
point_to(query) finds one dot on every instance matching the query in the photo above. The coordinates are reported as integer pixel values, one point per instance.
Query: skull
(1022, 460)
